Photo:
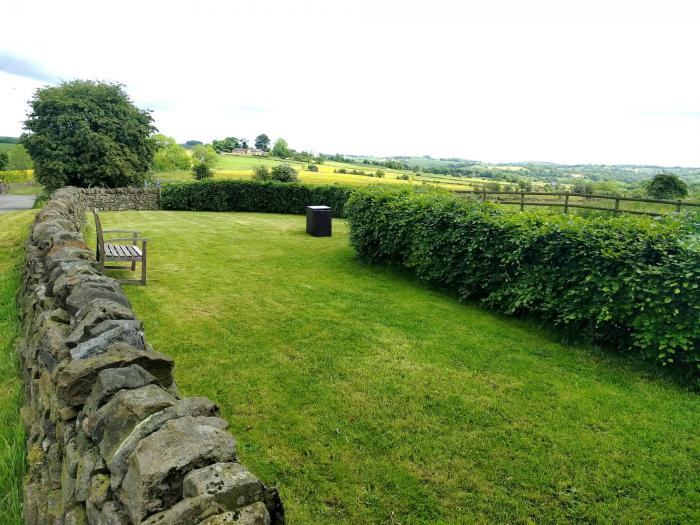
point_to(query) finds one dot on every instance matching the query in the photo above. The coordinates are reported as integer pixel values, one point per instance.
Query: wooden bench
(108, 252)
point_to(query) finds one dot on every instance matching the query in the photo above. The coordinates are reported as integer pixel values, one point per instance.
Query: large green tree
(667, 186)
(170, 155)
(87, 133)
(281, 149)
(262, 142)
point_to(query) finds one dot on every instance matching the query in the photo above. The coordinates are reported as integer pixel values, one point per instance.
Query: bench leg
(143, 266)
(133, 263)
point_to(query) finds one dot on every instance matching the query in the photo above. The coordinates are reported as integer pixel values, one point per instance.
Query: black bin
(318, 221)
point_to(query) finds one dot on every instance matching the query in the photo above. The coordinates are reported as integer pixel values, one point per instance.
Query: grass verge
(368, 398)
(13, 231)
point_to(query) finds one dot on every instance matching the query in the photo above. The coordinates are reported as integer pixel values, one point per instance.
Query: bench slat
(122, 252)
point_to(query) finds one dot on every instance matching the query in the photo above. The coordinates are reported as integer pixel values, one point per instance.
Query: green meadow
(367, 397)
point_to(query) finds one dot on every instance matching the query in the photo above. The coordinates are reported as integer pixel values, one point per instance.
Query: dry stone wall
(109, 438)
(119, 199)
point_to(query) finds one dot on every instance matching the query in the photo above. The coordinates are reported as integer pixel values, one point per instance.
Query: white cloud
(499, 81)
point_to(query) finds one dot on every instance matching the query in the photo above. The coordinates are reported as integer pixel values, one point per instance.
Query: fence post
(678, 206)
(483, 196)
(617, 204)
(522, 201)
(566, 203)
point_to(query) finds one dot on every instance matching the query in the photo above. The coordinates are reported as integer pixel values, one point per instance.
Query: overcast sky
(564, 81)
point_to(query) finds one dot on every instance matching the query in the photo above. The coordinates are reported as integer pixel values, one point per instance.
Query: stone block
(99, 344)
(74, 379)
(157, 466)
(193, 406)
(114, 421)
(231, 484)
(255, 514)
(112, 380)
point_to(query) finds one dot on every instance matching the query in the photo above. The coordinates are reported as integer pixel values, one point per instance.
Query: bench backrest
(98, 231)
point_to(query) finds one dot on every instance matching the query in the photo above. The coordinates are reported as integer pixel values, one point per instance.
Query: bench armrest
(130, 239)
(121, 231)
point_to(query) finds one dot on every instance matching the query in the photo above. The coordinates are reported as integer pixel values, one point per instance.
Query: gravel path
(16, 202)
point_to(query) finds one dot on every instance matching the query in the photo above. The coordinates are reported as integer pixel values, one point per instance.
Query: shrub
(246, 195)
(628, 282)
(202, 171)
(667, 186)
(404, 176)
(312, 167)
(379, 174)
(261, 173)
(284, 173)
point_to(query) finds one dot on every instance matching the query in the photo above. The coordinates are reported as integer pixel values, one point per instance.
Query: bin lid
(319, 207)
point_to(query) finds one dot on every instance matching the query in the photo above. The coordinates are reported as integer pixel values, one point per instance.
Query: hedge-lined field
(628, 282)
(368, 398)
(239, 195)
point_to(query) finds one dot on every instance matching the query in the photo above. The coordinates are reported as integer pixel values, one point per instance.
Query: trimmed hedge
(246, 195)
(628, 282)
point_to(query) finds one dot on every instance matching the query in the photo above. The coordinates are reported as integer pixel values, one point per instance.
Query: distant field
(241, 167)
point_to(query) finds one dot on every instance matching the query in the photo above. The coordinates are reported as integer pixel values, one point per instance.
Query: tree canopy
(667, 186)
(226, 145)
(281, 149)
(204, 158)
(4, 159)
(88, 133)
(262, 142)
(170, 155)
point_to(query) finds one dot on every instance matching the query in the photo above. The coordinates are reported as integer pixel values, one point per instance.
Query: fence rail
(568, 202)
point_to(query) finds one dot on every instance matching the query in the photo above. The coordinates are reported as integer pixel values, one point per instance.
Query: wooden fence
(568, 200)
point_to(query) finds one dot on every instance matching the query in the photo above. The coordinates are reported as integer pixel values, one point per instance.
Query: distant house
(249, 151)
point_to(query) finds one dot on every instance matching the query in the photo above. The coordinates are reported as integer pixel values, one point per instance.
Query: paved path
(16, 202)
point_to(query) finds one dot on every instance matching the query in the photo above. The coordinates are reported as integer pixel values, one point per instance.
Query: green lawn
(13, 230)
(369, 398)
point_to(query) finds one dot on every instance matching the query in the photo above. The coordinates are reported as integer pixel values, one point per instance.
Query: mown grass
(369, 398)
(14, 227)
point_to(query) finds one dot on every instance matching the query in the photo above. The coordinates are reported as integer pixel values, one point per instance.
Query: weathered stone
(53, 512)
(31, 495)
(76, 516)
(105, 288)
(89, 464)
(255, 514)
(111, 381)
(68, 472)
(74, 379)
(67, 273)
(231, 484)
(192, 406)
(275, 509)
(189, 511)
(153, 481)
(94, 313)
(99, 490)
(109, 324)
(99, 344)
(54, 462)
(68, 277)
(114, 421)
(114, 513)
(49, 342)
